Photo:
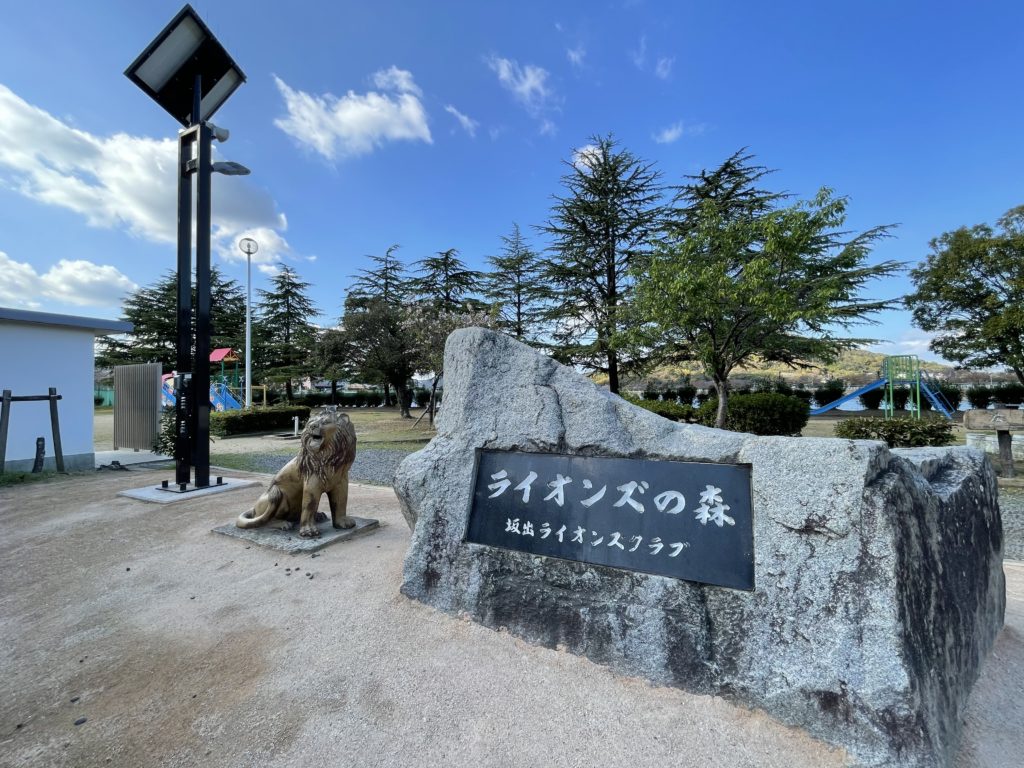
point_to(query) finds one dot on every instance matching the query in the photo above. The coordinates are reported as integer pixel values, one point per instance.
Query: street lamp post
(248, 246)
(188, 73)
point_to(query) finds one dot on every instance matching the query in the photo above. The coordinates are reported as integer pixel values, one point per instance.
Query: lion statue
(327, 451)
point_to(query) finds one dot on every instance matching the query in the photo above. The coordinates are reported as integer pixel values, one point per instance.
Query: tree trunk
(433, 399)
(722, 388)
(387, 395)
(334, 391)
(404, 399)
(288, 391)
(613, 372)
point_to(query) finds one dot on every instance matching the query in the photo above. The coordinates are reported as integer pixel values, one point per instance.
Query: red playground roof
(224, 354)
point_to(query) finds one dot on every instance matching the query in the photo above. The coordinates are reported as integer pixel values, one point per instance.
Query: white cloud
(115, 182)
(670, 134)
(676, 131)
(639, 56)
(469, 125)
(663, 68)
(77, 282)
(576, 55)
(584, 157)
(395, 79)
(529, 85)
(356, 124)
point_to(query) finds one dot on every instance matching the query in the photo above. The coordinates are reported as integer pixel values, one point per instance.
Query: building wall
(34, 358)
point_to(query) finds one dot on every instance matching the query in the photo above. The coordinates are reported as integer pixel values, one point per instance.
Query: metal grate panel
(136, 405)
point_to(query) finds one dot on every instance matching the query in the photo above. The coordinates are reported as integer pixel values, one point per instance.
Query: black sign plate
(687, 520)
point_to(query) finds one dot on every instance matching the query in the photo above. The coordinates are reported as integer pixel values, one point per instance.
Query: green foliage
(223, 423)
(775, 384)
(980, 396)
(164, 442)
(872, 400)
(153, 310)
(515, 289)
(829, 392)
(445, 282)
(760, 413)
(970, 292)
(666, 408)
(1009, 393)
(900, 397)
(803, 394)
(600, 230)
(898, 433)
(740, 277)
(686, 392)
(953, 393)
(284, 336)
(650, 394)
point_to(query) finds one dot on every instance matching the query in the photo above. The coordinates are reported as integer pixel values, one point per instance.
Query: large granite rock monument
(877, 585)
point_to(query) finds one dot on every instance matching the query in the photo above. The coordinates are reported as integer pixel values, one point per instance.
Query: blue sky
(438, 124)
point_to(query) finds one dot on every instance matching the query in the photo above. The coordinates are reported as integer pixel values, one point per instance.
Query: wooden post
(58, 452)
(1005, 451)
(5, 421)
(37, 465)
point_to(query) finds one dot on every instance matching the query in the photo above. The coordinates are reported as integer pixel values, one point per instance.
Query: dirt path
(184, 648)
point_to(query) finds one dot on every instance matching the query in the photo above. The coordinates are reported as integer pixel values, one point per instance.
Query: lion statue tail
(274, 497)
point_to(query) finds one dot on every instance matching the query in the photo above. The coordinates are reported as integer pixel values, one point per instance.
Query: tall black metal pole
(183, 392)
(201, 374)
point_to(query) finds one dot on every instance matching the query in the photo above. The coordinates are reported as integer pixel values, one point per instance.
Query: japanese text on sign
(688, 520)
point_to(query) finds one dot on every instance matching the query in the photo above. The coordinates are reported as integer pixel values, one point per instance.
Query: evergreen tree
(381, 347)
(285, 332)
(333, 358)
(601, 230)
(153, 311)
(515, 288)
(445, 282)
(386, 280)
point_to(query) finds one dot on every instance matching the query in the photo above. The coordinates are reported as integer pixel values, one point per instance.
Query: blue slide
(849, 397)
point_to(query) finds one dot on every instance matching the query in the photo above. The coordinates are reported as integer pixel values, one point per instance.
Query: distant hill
(853, 366)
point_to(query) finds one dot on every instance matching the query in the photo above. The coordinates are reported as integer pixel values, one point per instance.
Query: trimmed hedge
(762, 413)
(225, 423)
(872, 400)
(666, 408)
(900, 396)
(898, 433)
(830, 391)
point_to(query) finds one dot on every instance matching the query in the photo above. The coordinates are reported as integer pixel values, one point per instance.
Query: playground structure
(900, 370)
(225, 389)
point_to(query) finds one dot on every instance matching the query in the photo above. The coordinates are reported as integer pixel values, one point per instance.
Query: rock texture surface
(879, 580)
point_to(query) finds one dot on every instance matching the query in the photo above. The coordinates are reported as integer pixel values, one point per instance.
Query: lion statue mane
(328, 448)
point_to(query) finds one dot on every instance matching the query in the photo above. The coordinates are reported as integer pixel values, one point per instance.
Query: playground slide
(937, 399)
(220, 396)
(849, 397)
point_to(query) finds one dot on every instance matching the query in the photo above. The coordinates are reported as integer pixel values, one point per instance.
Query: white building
(39, 350)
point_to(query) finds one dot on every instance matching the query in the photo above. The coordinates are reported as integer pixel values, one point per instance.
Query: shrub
(686, 392)
(649, 394)
(258, 420)
(703, 396)
(666, 408)
(802, 393)
(900, 396)
(164, 442)
(775, 384)
(97, 400)
(313, 399)
(831, 390)
(872, 400)
(954, 394)
(762, 413)
(1008, 393)
(980, 396)
(903, 432)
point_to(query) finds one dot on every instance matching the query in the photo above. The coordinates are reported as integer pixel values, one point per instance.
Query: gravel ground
(1011, 505)
(372, 465)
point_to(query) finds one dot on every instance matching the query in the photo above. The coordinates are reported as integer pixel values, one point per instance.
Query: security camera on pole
(187, 72)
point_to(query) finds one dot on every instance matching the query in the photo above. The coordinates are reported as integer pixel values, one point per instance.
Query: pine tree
(284, 329)
(153, 311)
(601, 230)
(445, 282)
(515, 288)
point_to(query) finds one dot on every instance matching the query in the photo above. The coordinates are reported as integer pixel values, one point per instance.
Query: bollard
(295, 422)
